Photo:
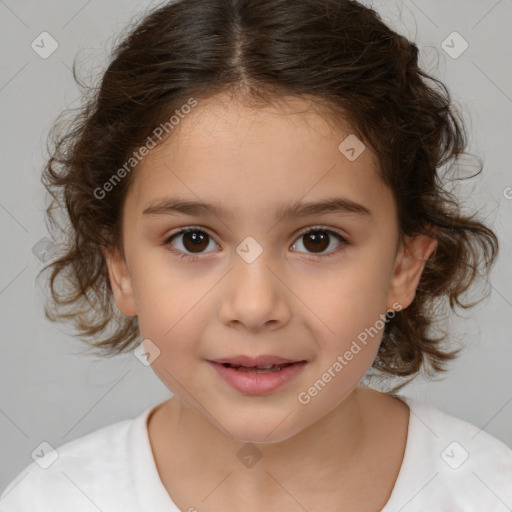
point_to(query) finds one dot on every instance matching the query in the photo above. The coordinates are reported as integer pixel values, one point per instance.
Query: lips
(254, 377)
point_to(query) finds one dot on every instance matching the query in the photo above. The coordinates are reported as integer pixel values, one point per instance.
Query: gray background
(52, 392)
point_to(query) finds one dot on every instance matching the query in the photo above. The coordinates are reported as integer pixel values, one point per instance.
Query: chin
(269, 430)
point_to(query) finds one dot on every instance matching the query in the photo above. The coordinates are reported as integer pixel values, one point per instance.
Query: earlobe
(409, 265)
(120, 281)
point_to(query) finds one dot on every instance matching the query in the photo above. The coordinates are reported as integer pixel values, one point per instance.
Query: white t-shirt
(449, 465)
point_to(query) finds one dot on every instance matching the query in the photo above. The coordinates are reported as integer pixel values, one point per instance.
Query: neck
(329, 451)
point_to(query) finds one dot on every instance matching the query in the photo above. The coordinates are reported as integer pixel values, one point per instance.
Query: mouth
(262, 361)
(257, 376)
(269, 368)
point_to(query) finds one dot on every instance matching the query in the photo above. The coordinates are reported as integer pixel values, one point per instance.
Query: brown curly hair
(337, 53)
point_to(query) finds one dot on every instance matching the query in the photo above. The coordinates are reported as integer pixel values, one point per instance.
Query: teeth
(259, 369)
(269, 368)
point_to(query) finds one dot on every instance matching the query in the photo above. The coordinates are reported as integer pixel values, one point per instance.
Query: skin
(346, 445)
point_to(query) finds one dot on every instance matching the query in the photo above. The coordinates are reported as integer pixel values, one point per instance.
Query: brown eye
(189, 243)
(318, 240)
(193, 241)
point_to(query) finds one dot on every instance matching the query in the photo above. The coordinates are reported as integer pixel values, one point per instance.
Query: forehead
(258, 158)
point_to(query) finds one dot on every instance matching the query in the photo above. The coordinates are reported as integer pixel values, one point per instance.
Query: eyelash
(196, 257)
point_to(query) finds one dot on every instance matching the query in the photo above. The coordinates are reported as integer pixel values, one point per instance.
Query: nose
(254, 295)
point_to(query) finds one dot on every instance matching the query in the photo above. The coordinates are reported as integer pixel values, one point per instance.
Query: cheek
(172, 319)
(172, 309)
(351, 306)
(351, 298)
(166, 293)
(175, 332)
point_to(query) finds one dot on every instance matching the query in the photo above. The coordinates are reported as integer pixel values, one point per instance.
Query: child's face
(288, 301)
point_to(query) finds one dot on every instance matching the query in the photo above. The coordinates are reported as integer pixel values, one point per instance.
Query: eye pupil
(319, 239)
(197, 240)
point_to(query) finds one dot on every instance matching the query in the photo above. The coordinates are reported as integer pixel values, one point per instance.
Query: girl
(254, 191)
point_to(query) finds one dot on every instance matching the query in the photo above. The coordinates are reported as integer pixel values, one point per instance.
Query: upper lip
(263, 360)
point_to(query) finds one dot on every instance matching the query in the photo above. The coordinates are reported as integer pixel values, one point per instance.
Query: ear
(120, 281)
(409, 264)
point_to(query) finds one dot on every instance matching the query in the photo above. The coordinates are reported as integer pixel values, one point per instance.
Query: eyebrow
(338, 205)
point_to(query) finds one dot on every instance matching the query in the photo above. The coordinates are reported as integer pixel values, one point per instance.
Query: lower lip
(258, 383)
